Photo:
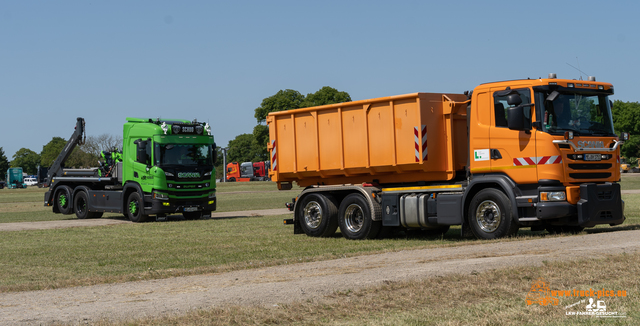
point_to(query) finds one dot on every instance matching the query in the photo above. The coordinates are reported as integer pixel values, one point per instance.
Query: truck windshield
(584, 114)
(183, 154)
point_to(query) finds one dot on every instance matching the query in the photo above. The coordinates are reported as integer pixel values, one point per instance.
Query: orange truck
(248, 171)
(538, 153)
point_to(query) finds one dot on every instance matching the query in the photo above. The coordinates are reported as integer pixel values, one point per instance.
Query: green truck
(166, 167)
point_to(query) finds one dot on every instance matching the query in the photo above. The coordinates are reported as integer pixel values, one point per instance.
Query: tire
(134, 208)
(192, 215)
(355, 219)
(63, 200)
(318, 215)
(232, 179)
(560, 229)
(490, 215)
(80, 205)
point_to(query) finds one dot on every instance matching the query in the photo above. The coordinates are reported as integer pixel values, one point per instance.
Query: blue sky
(216, 60)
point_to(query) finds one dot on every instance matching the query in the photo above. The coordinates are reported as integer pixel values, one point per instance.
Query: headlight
(160, 195)
(553, 196)
(212, 194)
(168, 174)
(207, 174)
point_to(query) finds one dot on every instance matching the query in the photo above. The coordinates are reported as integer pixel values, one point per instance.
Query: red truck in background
(248, 171)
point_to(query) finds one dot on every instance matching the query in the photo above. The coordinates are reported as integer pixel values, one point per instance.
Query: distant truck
(248, 171)
(166, 167)
(15, 178)
(538, 153)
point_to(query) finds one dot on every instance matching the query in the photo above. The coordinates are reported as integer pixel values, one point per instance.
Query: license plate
(191, 209)
(592, 157)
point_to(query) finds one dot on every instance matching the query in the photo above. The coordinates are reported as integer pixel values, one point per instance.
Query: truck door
(513, 152)
(143, 163)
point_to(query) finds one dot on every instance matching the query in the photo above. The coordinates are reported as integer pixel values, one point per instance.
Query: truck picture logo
(590, 144)
(183, 175)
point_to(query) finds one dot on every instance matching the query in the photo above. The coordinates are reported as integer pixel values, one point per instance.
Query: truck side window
(500, 107)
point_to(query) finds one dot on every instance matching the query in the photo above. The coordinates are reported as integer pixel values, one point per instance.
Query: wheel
(355, 218)
(232, 179)
(192, 215)
(490, 215)
(559, 229)
(318, 215)
(63, 200)
(80, 204)
(134, 208)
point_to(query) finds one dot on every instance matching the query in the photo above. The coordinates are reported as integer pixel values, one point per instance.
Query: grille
(587, 166)
(188, 193)
(605, 195)
(589, 175)
(606, 215)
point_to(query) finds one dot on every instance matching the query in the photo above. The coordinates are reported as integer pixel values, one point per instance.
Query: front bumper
(179, 206)
(598, 204)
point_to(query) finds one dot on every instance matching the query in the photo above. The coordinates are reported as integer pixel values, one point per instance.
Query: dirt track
(289, 283)
(22, 226)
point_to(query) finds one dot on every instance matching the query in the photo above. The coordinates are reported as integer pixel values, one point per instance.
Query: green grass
(76, 256)
(630, 181)
(27, 205)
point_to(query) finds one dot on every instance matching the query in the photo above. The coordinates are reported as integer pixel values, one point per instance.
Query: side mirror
(514, 99)
(625, 136)
(515, 118)
(141, 152)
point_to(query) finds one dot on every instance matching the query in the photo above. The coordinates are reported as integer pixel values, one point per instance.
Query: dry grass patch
(490, 298)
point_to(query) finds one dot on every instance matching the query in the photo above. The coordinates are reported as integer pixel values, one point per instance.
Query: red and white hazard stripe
(420, 138)
(520, 161)
(274, 161)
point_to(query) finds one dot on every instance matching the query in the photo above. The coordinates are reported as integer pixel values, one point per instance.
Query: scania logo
(184, 175)
(590, 144)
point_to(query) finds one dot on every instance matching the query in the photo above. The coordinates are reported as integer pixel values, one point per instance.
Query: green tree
(4, 164)
(26, 159)
(326, 95)
(288, 100)
(84, 156)
(282, 100)
(261, 135)
(626, 118)
(51, 150)
(244, 149)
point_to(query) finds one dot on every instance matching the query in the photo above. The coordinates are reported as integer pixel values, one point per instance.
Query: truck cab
(552, 141)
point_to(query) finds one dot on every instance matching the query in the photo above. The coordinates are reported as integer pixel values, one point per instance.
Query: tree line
(243, 148)
(83, 156)
(253, 147)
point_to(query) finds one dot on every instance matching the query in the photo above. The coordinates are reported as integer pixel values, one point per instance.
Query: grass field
(27, 205)
(81, 256)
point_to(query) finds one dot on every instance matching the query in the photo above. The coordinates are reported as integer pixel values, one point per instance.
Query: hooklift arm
(76, 139)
